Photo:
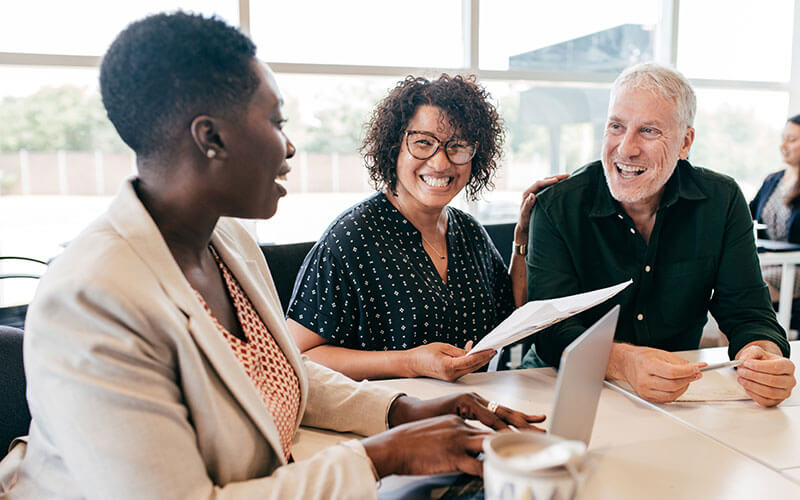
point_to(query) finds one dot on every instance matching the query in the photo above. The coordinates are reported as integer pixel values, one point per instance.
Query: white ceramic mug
(531, 465)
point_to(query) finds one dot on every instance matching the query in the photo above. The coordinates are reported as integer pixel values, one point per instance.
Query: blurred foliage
(332, 120)
(57, 118)
(735, 142)
(728, 139)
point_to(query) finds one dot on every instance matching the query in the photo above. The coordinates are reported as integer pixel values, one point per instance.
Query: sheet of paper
(539, 314)
(714, 386)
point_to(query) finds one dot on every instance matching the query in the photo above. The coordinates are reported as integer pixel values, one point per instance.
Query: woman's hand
(465, 405)
(430, 446)
(528, 199)
(445, 361)
(430, 437)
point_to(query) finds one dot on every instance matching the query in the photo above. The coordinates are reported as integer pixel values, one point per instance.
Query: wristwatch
(520, 249)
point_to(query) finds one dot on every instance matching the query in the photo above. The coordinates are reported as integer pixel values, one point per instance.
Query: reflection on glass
(555, 39)
(551, 129)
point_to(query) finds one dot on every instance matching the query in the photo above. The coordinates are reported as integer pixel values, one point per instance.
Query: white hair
(662, 81)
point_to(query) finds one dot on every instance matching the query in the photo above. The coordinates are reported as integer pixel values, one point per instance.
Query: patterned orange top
(262, 359)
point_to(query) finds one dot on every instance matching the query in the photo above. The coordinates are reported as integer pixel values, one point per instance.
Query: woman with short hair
(157, 357)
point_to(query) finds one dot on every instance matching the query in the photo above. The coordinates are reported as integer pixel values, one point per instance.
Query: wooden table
(640, 450)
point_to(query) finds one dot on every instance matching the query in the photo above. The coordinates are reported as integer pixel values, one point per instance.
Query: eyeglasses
(423, 145)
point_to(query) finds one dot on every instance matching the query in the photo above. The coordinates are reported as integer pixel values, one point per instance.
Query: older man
(684, 235)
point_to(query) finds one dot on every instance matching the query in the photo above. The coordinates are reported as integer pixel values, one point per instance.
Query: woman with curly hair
(400, 281)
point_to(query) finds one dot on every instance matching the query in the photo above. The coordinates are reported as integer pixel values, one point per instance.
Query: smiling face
(258, 150)
(642, 143)
(429, 184)
(790, 144)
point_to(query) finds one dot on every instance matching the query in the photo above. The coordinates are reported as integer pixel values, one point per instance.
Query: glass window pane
(416, 33)
(60, 159)
(326, 115)
(555, 39)
(87, 27)
(738, 132)
(551, 129)
(751, 41)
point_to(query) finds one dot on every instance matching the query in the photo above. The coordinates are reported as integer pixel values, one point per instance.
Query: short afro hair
(467, 109)
(166, 69)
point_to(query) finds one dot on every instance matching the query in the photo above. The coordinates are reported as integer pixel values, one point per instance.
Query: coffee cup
(531, 465)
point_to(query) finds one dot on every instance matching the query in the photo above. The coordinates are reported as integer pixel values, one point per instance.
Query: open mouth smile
(436, 182)
(282, 174)
(629, 171)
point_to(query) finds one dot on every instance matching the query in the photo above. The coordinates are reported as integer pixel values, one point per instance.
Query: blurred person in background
(777, 205)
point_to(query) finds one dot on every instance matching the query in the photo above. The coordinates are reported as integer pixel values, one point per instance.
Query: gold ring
(492, 406)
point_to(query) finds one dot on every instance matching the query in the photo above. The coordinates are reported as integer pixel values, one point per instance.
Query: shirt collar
(680, 185)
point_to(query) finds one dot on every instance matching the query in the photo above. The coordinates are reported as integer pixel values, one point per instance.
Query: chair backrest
(15, 418)
(285, 260)
(284, 263)
(14, 315)
(502, 236)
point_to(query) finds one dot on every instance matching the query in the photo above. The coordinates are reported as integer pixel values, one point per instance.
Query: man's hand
(465, 405)
(445, 361)
(767, 377)
(657, 376)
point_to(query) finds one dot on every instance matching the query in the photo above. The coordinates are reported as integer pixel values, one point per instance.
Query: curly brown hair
(467, 108)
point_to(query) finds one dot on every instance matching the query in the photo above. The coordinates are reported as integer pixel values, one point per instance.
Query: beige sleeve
(338, 403)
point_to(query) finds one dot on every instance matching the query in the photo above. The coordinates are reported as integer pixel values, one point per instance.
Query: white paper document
(713, 386)
(540, 314)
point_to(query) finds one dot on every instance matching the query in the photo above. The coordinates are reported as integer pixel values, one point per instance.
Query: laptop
(580, 379)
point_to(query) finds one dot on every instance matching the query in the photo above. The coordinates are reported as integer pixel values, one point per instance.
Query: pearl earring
(211, 153)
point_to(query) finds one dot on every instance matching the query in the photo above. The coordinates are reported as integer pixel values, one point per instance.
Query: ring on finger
(492, 406)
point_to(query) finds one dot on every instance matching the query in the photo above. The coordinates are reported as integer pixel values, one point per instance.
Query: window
(553, 38)
(416, 33)
(87, 27)
(325, 117)
(738, 132)
(751, 41)
(547, 69)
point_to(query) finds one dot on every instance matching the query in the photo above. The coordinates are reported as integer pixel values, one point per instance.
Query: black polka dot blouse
(368, 283)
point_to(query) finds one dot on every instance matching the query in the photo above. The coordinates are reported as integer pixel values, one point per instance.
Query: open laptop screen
(580, 379)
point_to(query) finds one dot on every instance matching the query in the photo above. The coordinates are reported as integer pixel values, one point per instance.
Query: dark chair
(284, 263)
(15, 315)
(502, 236)
(15, 418)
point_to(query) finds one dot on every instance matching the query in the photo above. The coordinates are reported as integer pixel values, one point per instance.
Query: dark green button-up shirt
(701, 257)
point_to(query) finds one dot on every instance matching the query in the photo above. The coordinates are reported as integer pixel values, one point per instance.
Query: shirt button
(620, 216)
(640, 316)
(633, 231)
(647, 269)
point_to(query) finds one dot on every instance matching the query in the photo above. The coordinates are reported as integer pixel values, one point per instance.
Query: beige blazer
(135, 394)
